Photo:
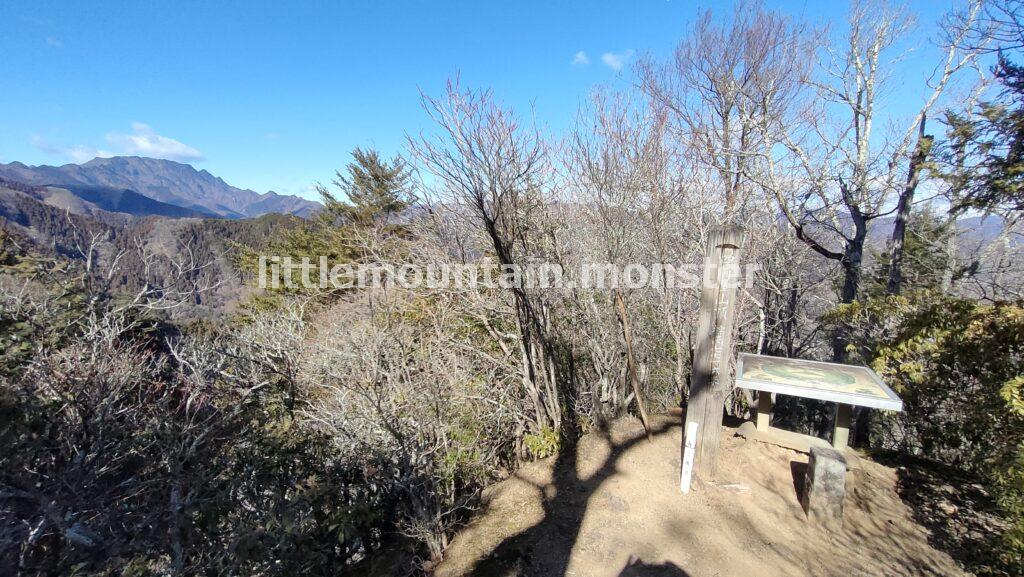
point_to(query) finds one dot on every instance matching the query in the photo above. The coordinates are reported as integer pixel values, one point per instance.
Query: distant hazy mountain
(162, 180)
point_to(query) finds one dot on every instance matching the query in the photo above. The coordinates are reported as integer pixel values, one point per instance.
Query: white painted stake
(688, 452)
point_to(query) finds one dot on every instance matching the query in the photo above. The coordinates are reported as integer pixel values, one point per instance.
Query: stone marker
(825, 487)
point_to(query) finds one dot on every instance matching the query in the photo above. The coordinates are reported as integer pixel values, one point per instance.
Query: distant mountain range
(151, 186)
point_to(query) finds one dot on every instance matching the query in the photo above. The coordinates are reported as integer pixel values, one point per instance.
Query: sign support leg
(841, 435)
(764, 410)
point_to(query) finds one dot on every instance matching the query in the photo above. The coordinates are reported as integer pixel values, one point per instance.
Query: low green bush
(958, 365)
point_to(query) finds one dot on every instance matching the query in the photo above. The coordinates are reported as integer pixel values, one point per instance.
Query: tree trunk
(853, 257)
(895, 282)
(903, 206)
(950, 253)
(627, 336)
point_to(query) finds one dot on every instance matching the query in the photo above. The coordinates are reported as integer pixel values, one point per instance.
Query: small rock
(948, 508)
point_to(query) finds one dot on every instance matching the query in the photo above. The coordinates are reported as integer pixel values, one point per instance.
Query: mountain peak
(136, 161)
(167, 181)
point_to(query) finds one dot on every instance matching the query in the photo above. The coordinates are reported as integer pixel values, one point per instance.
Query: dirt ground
(613, 508)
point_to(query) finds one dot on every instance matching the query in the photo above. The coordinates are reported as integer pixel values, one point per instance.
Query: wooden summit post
(709, 381)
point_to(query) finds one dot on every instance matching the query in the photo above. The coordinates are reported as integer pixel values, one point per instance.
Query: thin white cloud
(309, 192)
(144, 141)
(581, 59)
(53, 41)
(616, 61)
(297, 187)
(40, 143)
(77, 154)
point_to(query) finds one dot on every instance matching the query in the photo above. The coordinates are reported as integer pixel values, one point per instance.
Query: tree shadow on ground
(963, 520)
(544, 549)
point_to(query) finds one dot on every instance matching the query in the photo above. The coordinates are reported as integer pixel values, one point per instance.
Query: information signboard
(847, 384)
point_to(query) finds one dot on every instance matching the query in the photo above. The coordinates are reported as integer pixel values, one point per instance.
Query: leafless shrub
(404, 396)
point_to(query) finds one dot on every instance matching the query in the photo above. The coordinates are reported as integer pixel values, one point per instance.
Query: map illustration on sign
(851, 384)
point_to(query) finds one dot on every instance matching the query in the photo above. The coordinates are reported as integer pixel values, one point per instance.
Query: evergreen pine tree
(374, 190)
(994, 135)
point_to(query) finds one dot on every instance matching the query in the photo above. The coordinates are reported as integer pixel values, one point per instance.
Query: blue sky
(274, 95)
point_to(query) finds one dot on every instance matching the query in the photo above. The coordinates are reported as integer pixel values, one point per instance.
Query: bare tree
(728, 79)
(850, 173)
(999, 26)
(731, 86)
(616, 165)
(486, 161)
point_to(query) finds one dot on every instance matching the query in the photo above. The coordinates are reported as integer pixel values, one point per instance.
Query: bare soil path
(612, 508)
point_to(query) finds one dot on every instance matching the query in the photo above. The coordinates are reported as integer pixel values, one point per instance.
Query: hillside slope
(41, 219)
(130, 202)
